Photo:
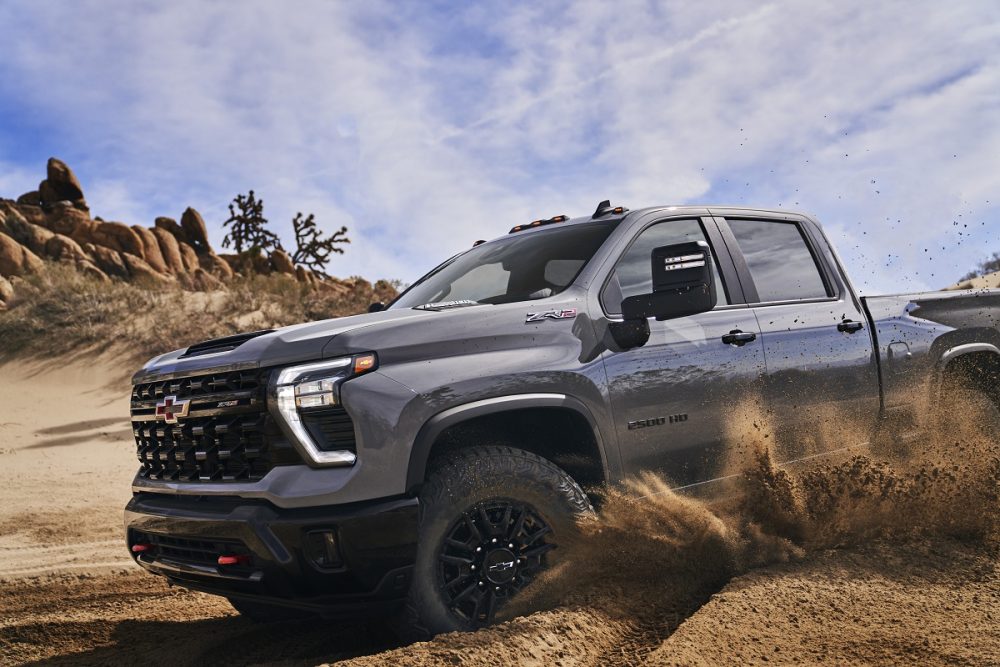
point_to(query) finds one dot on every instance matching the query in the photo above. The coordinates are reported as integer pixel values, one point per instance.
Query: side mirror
(683, 284)
(376, 307)
(630, 333)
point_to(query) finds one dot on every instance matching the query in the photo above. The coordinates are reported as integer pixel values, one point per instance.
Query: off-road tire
(465, 480)
(260, 612)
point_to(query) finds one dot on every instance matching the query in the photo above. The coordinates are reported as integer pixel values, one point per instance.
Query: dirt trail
(871, 559)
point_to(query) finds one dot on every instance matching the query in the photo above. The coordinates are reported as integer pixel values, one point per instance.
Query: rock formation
(53, 223)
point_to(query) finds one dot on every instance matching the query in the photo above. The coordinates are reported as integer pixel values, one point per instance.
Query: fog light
(322, 549)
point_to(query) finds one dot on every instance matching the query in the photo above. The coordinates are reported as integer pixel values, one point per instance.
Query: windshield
(517, 268)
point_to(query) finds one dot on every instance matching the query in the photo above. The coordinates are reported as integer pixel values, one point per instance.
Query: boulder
(201, 280)
(282, 263)
(6, 291)
(332, 287)
(30, 198)
(119, 236)
(107, 260)
(88, 268)
(33, 236)
(85, 232)
(188, 256)
(170, 225)
(306, 276)
(13, 224)
(64, 249)
(60, 184)
(142, 273)
(170, 250)
(215, 265)
(248, 263)
(16, 260)
(63, 219)
(232, 260)
(194, 229)
(33, 214)
(150, 248)
(48, 194)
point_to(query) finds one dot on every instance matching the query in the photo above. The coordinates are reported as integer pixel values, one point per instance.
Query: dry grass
(63, 310)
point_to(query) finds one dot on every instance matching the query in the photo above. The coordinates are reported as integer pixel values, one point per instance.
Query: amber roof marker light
(539, 223)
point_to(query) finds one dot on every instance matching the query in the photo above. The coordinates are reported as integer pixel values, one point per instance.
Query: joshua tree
(312, 249)
(248, 227)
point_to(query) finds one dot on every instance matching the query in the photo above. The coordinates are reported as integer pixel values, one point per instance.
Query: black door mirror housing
(630, 333)
(683, 284)
(377, 307)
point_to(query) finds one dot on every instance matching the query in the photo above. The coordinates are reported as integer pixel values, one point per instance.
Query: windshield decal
(564, 314)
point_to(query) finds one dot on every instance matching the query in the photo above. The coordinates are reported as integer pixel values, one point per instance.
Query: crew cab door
(821, 388)
(670, 397)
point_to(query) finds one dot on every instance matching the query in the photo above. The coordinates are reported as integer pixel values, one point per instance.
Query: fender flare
(953, 353)
(436, 425)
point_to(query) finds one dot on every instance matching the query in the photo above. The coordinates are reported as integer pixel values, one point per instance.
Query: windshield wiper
(447, 305)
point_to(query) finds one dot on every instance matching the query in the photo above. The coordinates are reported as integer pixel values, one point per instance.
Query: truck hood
(393, 334)
(288, 345)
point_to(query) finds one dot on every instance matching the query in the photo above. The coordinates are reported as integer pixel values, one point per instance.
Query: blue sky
(425, 126)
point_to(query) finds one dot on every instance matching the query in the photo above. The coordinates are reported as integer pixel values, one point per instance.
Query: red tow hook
(234, 560)
(141, 548)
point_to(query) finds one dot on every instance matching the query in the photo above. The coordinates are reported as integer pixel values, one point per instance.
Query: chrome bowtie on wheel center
(500, 566)
(493, 551)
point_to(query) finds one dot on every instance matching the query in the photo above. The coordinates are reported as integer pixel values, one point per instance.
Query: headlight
(312, 386)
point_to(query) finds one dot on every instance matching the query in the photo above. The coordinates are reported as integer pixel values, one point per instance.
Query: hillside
(147, 289)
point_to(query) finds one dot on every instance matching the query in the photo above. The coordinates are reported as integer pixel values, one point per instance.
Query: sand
(666, 581)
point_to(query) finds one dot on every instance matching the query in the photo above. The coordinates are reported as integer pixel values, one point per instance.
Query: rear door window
(781, 264)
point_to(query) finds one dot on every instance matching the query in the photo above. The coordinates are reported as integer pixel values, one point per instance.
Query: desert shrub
(62, 309)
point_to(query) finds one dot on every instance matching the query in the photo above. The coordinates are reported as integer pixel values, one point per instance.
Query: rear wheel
(492, 519)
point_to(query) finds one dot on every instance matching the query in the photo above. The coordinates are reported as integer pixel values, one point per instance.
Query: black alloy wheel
(490, 519)
(491, 553)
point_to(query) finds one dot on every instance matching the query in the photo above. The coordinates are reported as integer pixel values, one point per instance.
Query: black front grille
(225, 435)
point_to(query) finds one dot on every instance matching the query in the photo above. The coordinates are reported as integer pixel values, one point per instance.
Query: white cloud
(424, 133)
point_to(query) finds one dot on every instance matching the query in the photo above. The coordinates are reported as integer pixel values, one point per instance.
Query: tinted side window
(780, 262)
(634, 272)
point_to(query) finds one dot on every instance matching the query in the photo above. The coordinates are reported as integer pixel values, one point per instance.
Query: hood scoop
(222, 344)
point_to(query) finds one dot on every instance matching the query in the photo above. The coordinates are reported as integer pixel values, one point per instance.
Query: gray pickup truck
(422, 461)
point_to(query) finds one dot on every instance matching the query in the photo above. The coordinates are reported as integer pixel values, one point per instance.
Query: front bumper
(183, 536)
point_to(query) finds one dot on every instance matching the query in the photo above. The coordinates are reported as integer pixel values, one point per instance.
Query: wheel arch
(508, 408)
(965, 357)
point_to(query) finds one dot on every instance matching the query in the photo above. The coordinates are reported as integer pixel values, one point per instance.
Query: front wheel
(491, 521)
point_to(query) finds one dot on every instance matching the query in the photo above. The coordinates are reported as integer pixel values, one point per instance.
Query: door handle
(850, 326)
(738, 338)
